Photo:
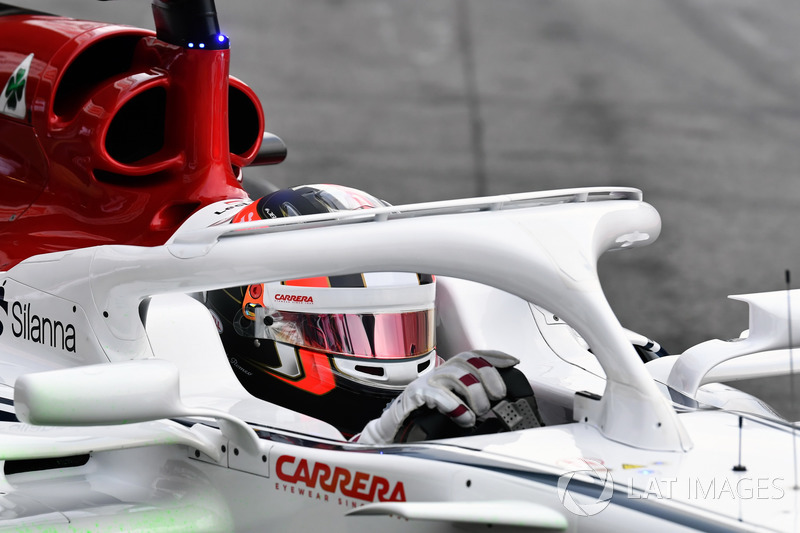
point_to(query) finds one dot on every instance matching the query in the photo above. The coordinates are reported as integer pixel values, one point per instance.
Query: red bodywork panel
(124, 136)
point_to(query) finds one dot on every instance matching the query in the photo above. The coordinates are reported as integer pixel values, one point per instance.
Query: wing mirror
(272, 151)
(113, 394)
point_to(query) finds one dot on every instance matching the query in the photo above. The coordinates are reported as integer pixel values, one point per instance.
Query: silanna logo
(31, 327)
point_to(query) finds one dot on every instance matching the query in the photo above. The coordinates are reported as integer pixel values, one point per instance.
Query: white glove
(472, 376)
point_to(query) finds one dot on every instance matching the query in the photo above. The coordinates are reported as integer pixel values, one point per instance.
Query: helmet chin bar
(390, 375)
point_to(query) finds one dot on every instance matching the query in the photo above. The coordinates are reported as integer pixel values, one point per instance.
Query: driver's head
(333, 347)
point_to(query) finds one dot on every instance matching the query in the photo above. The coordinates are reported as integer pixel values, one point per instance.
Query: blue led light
(202, 45)
(221, 38)
(191, 45)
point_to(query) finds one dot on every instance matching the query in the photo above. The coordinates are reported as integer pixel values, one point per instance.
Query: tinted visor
(382, 335)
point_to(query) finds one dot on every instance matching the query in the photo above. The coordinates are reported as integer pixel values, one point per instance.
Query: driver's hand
(462, 389)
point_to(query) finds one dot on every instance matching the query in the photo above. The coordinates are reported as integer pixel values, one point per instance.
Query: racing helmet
(337, 348)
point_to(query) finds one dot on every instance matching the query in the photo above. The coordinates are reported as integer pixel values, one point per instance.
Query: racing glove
(462, 388)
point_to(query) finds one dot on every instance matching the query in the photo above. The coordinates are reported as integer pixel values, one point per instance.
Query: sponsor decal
(628, 466)
(230, 205)
(30, 326)
(294, 298)
(235, 362)
(12, 99)
(3, 305)
(248, 217)
(217, 321)
(320, 481)
(27, 428)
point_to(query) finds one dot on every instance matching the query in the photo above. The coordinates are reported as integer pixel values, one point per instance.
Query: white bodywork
(512, 272)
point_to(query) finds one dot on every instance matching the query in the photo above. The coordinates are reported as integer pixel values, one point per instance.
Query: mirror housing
(113, 394)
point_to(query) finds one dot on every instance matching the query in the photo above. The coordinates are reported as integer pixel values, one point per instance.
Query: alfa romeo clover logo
(578, 489)
(15, 90)
(12, 99)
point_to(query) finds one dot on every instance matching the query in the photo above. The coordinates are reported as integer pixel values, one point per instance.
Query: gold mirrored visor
(379, 335)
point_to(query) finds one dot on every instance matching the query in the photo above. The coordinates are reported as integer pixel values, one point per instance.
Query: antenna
(791, 370)
(189, 24)
(740, 467)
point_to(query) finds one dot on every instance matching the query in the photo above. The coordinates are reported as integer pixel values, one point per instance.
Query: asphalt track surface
(696, 102)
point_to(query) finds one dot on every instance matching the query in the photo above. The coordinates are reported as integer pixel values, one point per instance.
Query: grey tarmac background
(696, 102)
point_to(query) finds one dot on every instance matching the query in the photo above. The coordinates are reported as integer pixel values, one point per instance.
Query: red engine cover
(112, 136)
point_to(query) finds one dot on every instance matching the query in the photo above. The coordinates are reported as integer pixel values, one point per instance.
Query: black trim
(347, 280)
(6, 416)
(19, 466)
